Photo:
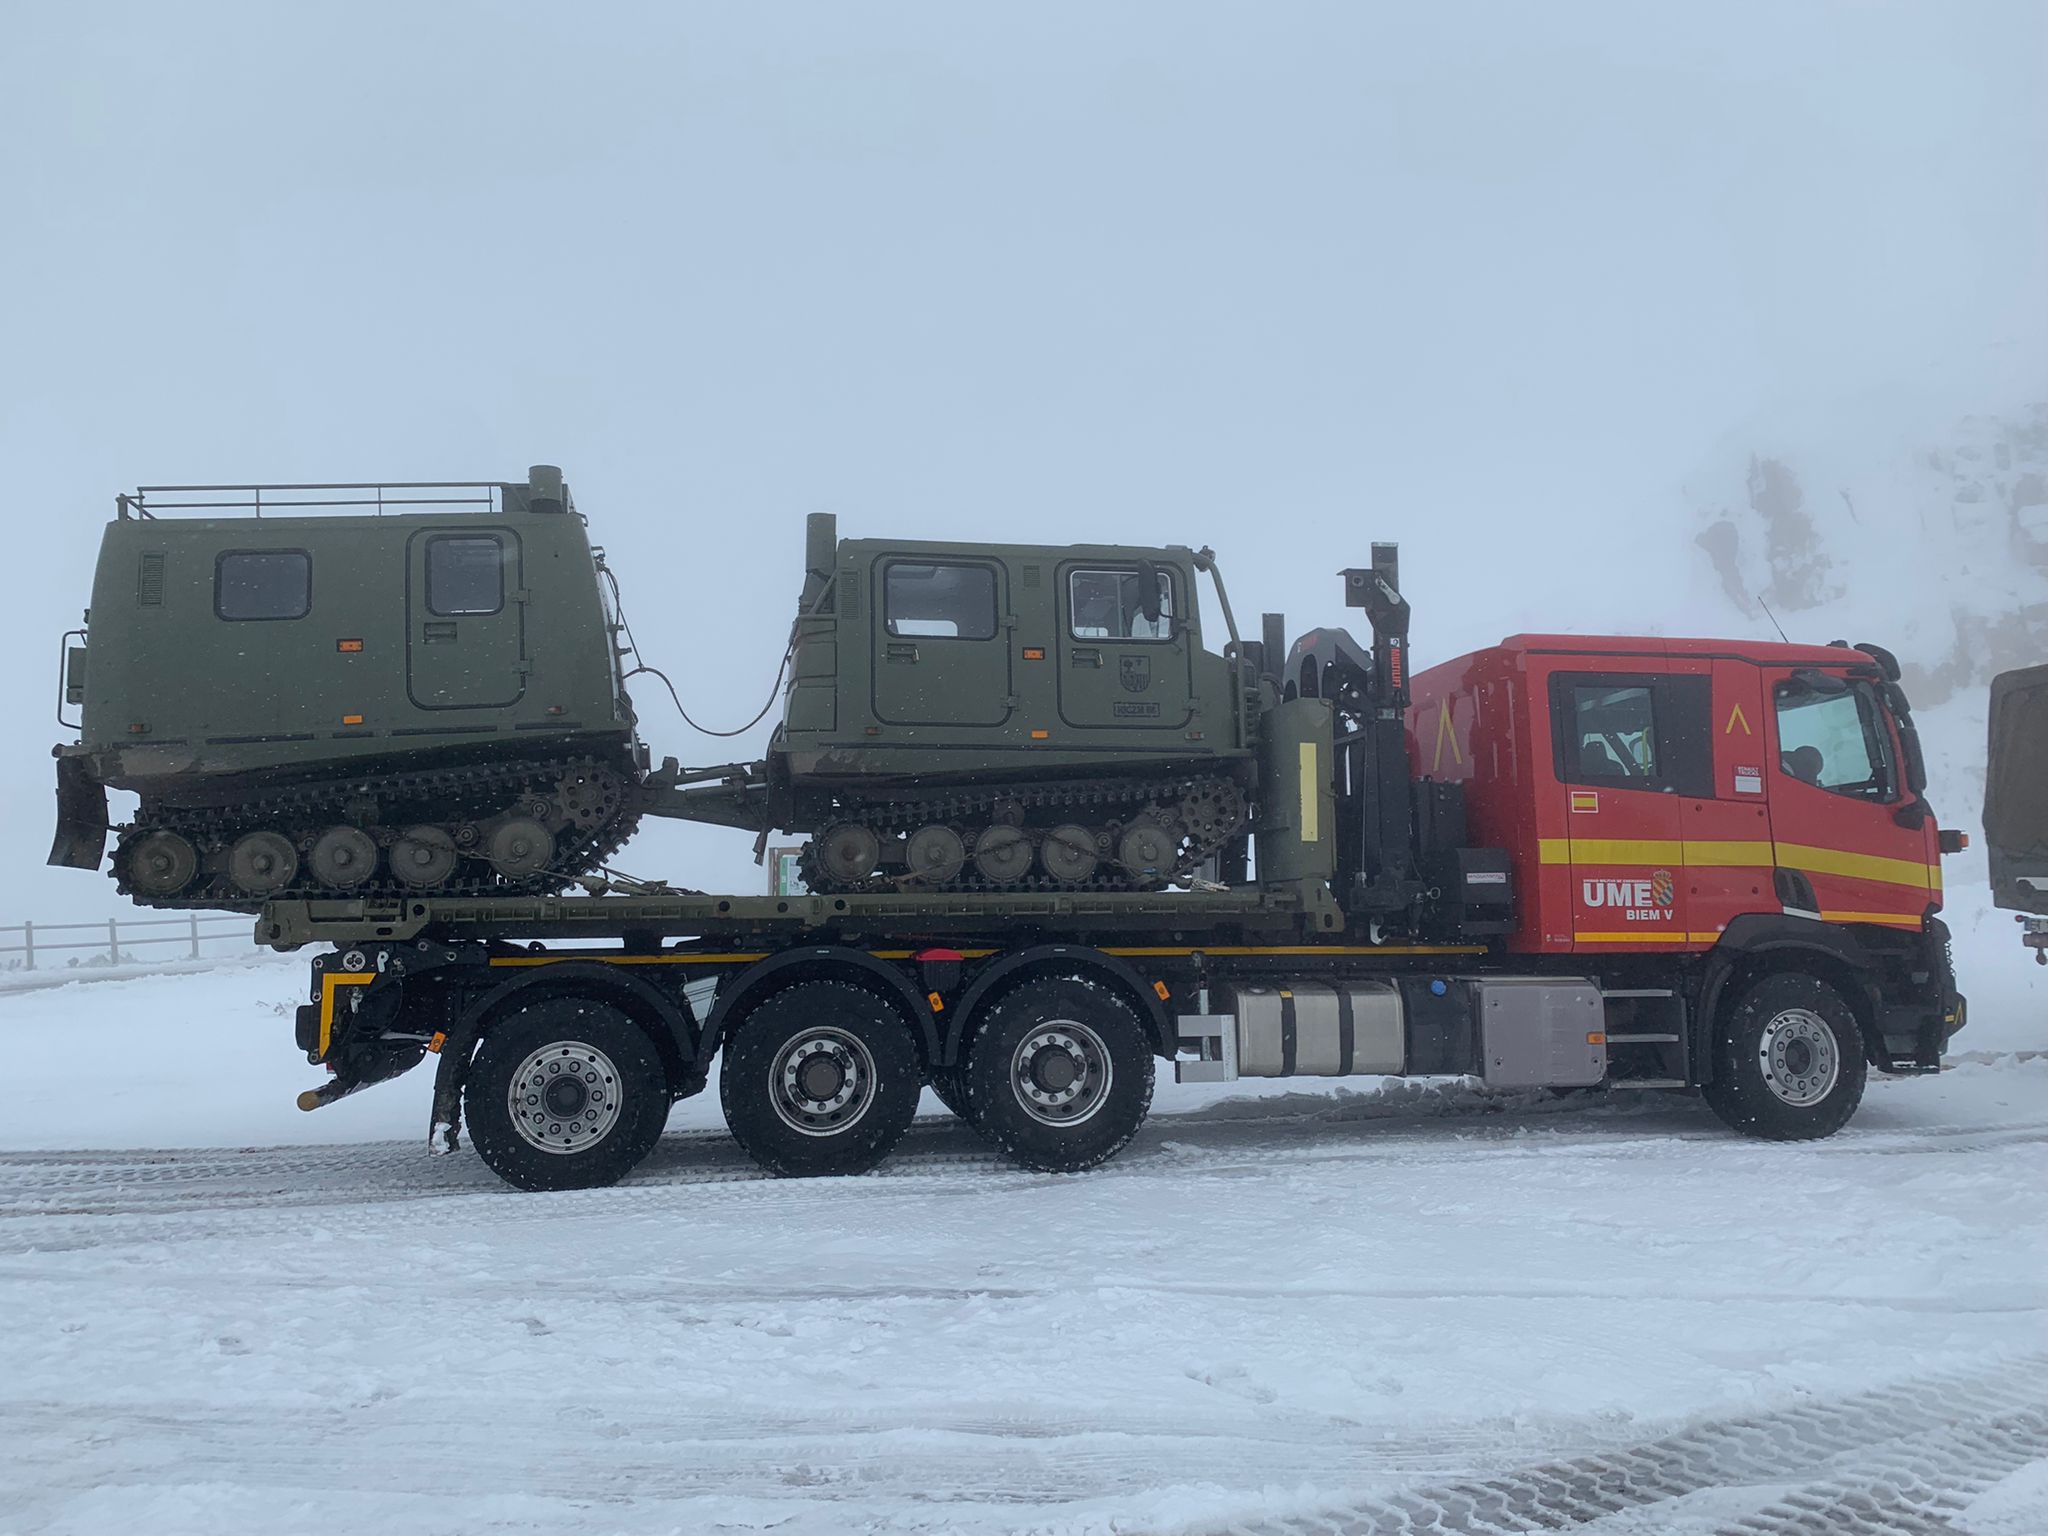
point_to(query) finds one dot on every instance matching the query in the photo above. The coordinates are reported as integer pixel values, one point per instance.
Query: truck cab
(1659, 792)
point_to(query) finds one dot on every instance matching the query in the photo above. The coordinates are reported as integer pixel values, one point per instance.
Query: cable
(639, 666)
(773, 692)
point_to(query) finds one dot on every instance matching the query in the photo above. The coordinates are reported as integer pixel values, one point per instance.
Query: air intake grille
(149, 581)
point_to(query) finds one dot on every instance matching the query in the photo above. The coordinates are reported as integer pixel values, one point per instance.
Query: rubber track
(320, 802)
(1134, 796)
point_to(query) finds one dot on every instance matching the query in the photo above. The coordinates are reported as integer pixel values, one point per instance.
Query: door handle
(438, 629)
(1085, 656)
(900, 651)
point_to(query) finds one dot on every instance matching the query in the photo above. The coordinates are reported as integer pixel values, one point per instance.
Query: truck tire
(1788, 1060)
(821, 1078)
(1058, 1074)
(566, 1093)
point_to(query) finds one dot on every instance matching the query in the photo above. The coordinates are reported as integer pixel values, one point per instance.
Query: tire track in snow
(1898, 1461)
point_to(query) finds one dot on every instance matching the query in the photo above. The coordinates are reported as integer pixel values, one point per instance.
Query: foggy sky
(1283, 279)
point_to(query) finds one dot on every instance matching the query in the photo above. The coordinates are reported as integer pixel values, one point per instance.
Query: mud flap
(81, 840)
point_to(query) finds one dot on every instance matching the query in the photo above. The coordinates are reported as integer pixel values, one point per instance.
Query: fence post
(28, 946)
(195, 935)
(113, 941)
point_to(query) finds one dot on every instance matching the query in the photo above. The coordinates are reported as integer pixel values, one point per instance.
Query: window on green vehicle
(1106, 605)
(263, 584)
(1834, 738)
(465, 575)
(947, 602)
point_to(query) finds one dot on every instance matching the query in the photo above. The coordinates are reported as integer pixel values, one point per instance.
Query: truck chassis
(565, 1027)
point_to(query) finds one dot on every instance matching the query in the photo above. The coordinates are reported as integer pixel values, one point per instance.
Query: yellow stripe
(1311, 794)
(328, 983)
(1300, 949)
(1857, 866)
(1653, 936)
(983, 954)
(1889, 919)
(1728, 853)
(737, 957)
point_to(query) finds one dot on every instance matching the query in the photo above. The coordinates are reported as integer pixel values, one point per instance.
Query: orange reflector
(1034, 653)
(351, 719)
(1040, 735)
(138, 729)
(1596, 1038)
(440, 1039)
(1161, 988)
(938, 1003)
(350, 646)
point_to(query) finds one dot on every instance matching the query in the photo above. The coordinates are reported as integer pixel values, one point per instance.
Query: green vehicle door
(465, 619)
(942, 648)
(1119, 666)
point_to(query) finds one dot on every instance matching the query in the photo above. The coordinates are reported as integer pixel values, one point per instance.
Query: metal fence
(124, 941)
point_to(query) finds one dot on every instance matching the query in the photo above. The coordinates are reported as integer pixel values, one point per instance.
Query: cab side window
(940, 601)
(263, 584)
(1834, 739)
(1109, 605)
(1632, 732)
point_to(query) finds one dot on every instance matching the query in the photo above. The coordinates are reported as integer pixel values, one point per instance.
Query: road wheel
(822, 1078)
(565, 1094)
(1059, 1074)
(1788, 1060)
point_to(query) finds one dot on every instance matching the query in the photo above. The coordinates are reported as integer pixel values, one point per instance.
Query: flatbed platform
(1268, 914)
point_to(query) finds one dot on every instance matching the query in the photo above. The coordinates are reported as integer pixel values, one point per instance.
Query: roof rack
(409, 495)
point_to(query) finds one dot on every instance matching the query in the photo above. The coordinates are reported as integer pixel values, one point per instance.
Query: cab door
(1727, 828)
(1847, 828)
(1628, 746)
(465, 619)
(942, 648)
(1125, 653)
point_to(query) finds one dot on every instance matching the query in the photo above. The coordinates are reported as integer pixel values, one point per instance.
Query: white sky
(1488, 279)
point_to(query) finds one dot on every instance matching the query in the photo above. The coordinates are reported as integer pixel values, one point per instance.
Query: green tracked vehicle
(997, 717)
(375, 691)
(358, 689)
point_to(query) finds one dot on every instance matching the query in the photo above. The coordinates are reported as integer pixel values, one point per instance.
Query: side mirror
(1148, 591)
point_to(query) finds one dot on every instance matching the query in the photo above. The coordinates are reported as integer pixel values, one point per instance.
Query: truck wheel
(821, 1078)
(565, 1094)
(1059, 1074)
(1788, 1060)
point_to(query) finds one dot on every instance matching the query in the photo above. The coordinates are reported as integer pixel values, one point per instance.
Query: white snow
(1268, 1307)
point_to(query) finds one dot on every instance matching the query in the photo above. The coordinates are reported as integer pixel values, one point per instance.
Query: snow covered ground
(1371, 1308)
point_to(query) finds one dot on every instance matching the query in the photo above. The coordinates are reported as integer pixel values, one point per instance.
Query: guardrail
(115, 941)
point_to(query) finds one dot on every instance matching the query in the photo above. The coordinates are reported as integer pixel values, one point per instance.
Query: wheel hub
(1797, 1053)
(565, 1097)
(822, 1081)
(1061, 1073)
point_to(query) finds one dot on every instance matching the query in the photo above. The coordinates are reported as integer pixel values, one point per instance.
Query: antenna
(1773, 618)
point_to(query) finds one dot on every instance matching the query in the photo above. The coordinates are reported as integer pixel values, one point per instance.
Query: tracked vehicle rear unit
(360, 690)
